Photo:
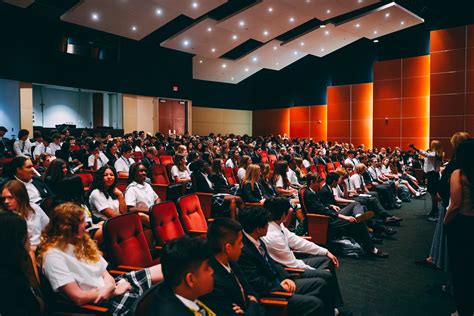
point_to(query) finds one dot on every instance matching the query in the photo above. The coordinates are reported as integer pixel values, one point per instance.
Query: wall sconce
(319, 122)
(386, 120)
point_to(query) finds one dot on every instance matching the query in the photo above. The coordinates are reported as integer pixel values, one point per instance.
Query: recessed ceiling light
(95, 16)
(200, 61)
(270, 9)
(254, 59)
(292, 19)
(209, 29)
(246, 70)
(402, 22)
(232, 78)
(328, 11)
(360, 1)
(302, 43)
(265, 33)
(308, 1)
(326, 32)
(295, 52)
(376, 41)
(322, 25)
(387, 14)
(277, 63)
(213, 50)
(357, 25)
(185, 43)
(375, 32)
(195, 5)
(275, 47)
(224, 65)
(134, 28)
(234, 37)
(159, 11)
(322, 49)
(241, 23)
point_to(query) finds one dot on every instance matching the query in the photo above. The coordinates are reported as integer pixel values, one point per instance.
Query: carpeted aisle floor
(396, 286)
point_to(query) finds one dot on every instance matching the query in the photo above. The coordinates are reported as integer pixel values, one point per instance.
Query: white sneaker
(398, 200)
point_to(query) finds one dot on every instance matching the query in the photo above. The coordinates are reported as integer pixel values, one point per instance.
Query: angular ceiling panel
(327, 9)
(265, 20)
(132, 19)
(191, 8)
(322, 41)
(20, 3)
(205, 39)
(381, 21)
(222, 70)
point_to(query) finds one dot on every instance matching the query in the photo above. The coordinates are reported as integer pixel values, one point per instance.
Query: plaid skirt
(140, 282)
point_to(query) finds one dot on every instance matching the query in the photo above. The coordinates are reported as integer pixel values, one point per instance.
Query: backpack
(347, 247)
(404, 193)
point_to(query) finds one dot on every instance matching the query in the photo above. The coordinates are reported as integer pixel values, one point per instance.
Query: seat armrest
(95, 308)
(129, 268)
(273, 301)
(307, 237)
(281, 294)
(294, 270)
(197, 232)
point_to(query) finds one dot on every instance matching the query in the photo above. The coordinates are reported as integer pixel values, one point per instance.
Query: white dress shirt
(281, 243)
(292, 177)
(53, 147)
(352, 161)
(33, 193)
(40, 149)
(123, 164)
(192, 305)
(22, 148)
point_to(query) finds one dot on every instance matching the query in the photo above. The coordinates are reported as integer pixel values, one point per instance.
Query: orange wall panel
(387, 89)
(318, 125)
(448, 60)
(416, 107)
(299, 114)
(390, 108)
(415, 127)
(448, 104)
(299, 129)
(387, 128)
(448, 39)
(416, 87)
(386, 142)
(362, 92)
(445, 126)
(339, 129)
(389, 69)
(362, 110)
(416, 66)
(446, 83)
(274, 121)
(339, 111)
(419, 142)
(339, 94)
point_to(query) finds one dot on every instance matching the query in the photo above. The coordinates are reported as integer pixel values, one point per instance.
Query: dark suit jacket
(252, 196)
(43, 189)
(314, 205)
(220, 183)
(5, 147)
(166, 303)
(227, 292)
(326, 195)
(256, 269)
(200, 183)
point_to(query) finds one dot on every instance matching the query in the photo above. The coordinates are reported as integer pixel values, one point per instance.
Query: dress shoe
(364, 216)
(390, 231)
(379, 254)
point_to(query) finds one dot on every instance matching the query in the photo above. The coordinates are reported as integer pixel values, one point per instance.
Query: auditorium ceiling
(231, 40)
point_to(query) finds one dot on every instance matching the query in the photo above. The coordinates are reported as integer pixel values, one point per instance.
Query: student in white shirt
(75, 268)
(244, 162)
(15, 199)
(42, 148)
(139, 195)
(179, 171)
(233, 159)
(351, 160)
(22, 146)
(97, 159)
(122, 164)
(56, 144)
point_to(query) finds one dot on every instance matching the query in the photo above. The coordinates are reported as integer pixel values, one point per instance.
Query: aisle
(396, 286)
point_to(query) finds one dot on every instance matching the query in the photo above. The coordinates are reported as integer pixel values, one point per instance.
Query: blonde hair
(63, 229)
(342, 172)
(457, 138)
(360, 167)
(437, 147)
(252, 175)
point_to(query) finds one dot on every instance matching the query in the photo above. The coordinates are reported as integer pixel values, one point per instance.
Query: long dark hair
(98, 182)
(13, 235)
(217, 166)
(55, 171)
(464, 156)
(280, 170)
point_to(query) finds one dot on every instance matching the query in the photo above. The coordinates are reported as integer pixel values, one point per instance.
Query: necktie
(267, 259)
(22, 146)
(204, 310)
(362, 185)
(242, 292)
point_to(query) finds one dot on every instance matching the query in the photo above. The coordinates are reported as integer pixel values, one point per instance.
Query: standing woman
(459, 220)
(18, 282)
(15, 200)
(431, 167)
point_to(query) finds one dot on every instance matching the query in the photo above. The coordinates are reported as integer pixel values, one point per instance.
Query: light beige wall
(26, 106)
(223, 121)
(139, 113)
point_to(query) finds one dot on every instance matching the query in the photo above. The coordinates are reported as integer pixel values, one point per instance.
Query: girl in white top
(179, 172)
(73, 265)
(105, 199)
(15, 199)
(245, 161)
(139, 195)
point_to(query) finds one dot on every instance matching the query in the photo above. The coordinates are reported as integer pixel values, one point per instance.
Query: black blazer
(252, 196)
(257, 271)
(43, 189)
(166, 303)
(314, 205)
(326, 195)
(220, 183)
(200, 183)
(227, 292)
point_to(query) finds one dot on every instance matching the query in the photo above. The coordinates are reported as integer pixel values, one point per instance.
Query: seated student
(179, 171)
(231, 289)
(266, 276)
(42, 148)
(280, 180)
(15, 199)
(21, 168)
(252, 191)
(244, 162)
(187, 276)
(122, 165)
(55, 144)
(19, 286)
(233, 159)
(139, 195)
(97, 158)
(266, 181)
(339, 224)
(220, 201)
(291, 173)
(350, 159)
(43, 163)
(149, 160)
(22, 146)
(105, 199)
(281, 243)
(55, 175)
(75, 268)
(111, 152)
(387, 191)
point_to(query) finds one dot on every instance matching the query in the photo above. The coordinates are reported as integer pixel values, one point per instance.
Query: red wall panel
(390, 69)
(299, 114)
(448, 60)
(447, 104)
(448, 39)
(416, 107)
(299, 129)
(339, 94)
(274, 121)
(446, 83)
(416, 87)
(388, 89)
(318, 122)
(390, 108)
(416, 66)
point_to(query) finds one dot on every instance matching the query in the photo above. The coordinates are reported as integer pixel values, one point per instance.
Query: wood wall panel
(338, 94)
(448, 39)
(447, 83)
(448, 60)
(390, 69)
(447, 104)
(388, 89)
(416, 107)
(416, 66)
(390, 108)
(416, 87)
(318, 122)
(299, 129)
(469, 104)
(274, 121)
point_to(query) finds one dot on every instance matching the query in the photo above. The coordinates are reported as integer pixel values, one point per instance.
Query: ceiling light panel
(273, 56)
(191, 8)
(265, 20)
(382, 21)
(204, 38)
(119, 17)
(327, 9)
(20, 3)
(322, 41)
(214, 70)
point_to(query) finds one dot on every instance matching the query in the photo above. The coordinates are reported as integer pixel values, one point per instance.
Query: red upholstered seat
(165, 222)
(337, 164)
(321, 168)
(331, 166)
(125, 242)
(229, 175)
(317, 224)
(86, 179)
(264, 156)
(159, 175)
(192, 215)
(137, 155)
(166, 160)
